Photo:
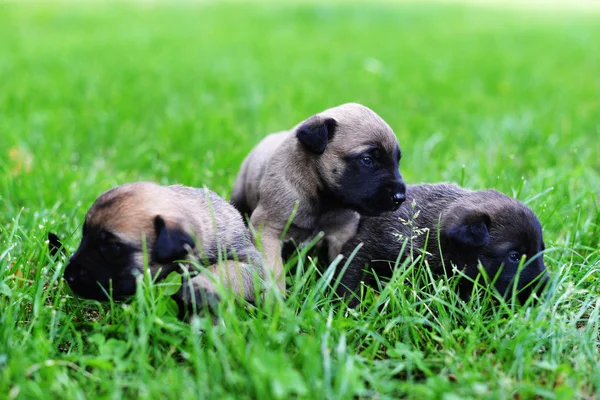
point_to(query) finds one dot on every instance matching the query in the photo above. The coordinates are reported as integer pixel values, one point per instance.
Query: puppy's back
(217, 223)
(245, 192)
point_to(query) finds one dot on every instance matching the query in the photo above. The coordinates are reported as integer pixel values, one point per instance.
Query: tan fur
(279, 173)
(200, 212)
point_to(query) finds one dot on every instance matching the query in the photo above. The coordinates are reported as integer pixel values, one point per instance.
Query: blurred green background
(98, 94)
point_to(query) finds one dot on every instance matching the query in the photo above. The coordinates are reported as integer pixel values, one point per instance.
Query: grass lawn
(94, 95)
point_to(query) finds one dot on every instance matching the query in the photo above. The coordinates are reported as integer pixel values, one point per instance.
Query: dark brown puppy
(333, 166)
(177, 223)
(474, 226)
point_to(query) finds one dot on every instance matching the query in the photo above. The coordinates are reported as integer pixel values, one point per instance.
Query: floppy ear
(315, 132)
(469, 228)
(55, 246)
(170, 244)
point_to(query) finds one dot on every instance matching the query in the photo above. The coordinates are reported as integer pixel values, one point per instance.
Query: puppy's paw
(194, 298)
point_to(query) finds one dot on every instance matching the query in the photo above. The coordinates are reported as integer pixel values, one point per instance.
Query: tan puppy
(178, 223)
(335, 165)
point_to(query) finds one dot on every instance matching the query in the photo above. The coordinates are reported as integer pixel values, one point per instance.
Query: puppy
(174, 223)
(333, 166)
(473, 227)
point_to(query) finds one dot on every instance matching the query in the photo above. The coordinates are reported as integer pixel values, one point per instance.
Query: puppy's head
(356, 157)
(111, 254)
(500, 233)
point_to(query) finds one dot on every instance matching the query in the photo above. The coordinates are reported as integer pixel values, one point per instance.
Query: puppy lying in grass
(451, 226)
(174, 223)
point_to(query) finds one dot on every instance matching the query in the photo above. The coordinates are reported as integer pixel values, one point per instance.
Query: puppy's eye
(367, 160)
(515, 256)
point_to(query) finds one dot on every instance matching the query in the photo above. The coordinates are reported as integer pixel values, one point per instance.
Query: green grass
(96, 95)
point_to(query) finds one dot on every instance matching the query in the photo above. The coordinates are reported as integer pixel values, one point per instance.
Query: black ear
(55, 246)
(315, 132)
(471, 230)
(171, 244)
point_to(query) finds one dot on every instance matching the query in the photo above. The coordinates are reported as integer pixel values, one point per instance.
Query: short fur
(335, 165)
(178, 223)
(485, 226)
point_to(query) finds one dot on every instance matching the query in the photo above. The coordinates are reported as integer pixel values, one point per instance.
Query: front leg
(271, 245)
(338, 228)
(202, 290)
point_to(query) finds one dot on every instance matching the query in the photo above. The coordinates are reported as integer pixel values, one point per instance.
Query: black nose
(398, 198)
(73, 272)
